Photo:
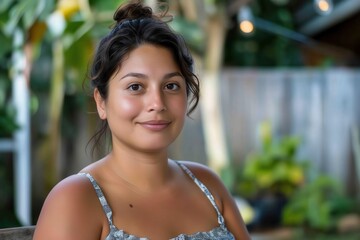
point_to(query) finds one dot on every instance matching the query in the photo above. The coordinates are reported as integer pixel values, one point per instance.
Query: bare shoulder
(210, 179)
(205, 174)
(223, 197)
(72, 187)
(68, 211)
(199, 169)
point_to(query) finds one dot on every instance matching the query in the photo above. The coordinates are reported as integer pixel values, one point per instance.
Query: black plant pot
(268, 211)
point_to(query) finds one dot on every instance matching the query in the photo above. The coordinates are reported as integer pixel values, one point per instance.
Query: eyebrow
(141, 75)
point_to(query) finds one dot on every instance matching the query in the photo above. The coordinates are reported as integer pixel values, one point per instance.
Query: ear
(100, 104)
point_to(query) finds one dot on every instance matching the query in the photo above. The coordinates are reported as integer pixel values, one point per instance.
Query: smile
(155, 125)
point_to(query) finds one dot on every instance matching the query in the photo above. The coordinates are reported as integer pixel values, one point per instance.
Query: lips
(155, 125)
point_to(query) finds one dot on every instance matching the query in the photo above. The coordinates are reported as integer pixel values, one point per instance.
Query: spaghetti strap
(205, 190)
(106, 208)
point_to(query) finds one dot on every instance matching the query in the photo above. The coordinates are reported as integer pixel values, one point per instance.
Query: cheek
(180, 107)
(127, 107)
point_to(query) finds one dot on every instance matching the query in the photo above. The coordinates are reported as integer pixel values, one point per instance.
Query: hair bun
(132, 11)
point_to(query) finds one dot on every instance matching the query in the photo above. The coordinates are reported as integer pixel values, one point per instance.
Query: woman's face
(147, 100)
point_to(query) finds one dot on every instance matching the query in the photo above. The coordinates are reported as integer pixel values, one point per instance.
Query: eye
(172, 86)
(135, 87)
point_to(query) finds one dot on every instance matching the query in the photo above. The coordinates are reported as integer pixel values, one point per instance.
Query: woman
(142, 81)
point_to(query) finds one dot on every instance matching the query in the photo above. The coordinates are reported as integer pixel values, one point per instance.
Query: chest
(163, 215)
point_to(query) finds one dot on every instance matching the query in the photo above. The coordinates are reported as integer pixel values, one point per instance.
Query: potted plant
(269, 176)
(318, 205)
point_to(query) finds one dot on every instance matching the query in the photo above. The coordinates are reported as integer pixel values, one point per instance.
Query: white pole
(22, 167)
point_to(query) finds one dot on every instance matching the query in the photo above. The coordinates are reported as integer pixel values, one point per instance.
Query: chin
(155, 146)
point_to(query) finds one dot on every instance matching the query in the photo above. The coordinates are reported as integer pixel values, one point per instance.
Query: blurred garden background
(279, 119)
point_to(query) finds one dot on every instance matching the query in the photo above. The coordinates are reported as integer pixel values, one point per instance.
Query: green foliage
(23, 14)
(7, 121)
(318, 204)
(6, 43)
(104, 6)
(15, 16)
(7, 112)
(191, 32)
(76, 59)
(274, 169)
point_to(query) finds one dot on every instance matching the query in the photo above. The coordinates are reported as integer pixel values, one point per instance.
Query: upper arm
(68, 214)
(227, 205)
(233, 219)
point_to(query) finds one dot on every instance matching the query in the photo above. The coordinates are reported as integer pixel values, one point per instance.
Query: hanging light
(323, 6)
(245, 20)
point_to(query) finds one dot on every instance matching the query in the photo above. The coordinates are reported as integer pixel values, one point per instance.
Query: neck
(141, 173)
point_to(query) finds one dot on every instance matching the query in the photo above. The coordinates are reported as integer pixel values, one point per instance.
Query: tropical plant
(274, 170)
(318, 204)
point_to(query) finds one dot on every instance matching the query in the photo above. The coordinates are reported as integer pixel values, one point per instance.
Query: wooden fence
(320, 106)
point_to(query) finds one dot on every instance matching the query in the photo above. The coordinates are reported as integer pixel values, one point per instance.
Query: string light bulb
(323, 7)
(245, 20)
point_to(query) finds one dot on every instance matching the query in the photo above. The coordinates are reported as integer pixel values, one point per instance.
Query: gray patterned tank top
(218, 233)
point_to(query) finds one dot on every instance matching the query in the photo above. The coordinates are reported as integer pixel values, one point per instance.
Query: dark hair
(136, 24)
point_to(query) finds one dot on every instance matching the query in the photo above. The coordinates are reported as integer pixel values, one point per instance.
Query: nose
(156, 101)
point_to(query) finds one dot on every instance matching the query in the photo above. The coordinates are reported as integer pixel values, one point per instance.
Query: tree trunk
(215, 140)
(49, 150)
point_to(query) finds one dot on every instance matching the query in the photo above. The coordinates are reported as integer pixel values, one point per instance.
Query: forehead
(148, 60)
(151, 57)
